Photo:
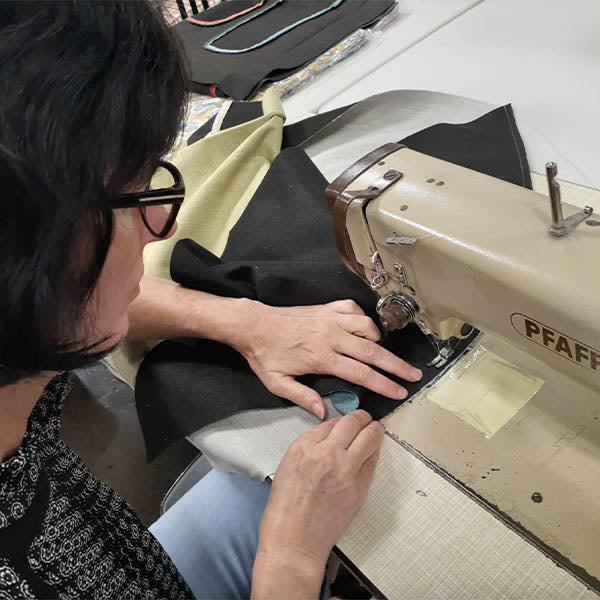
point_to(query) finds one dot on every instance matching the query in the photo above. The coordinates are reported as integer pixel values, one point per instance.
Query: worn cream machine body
(451, 249)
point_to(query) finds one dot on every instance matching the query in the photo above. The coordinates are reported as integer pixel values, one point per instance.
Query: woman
(92, 97)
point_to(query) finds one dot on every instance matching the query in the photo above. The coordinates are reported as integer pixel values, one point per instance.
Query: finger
(366, 443)
(366, 472)
(348, 427)
(360, 325)
(361, 374)
(348, 307)
(287, 387)
(371, 353)
(320, 432)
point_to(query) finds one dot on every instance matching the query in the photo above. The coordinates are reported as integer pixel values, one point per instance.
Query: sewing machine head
(451, 250)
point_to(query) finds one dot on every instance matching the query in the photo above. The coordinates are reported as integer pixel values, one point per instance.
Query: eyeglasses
(170, 194)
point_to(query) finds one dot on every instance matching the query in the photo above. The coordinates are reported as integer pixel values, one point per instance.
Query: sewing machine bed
(530, 451)
(540, 56)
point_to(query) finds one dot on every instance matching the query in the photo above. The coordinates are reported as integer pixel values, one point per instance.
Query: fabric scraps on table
(210, 45)
(270, 43)
(203, 109)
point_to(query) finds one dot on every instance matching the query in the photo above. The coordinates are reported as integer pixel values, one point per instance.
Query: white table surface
(543, 56)
(425, 17)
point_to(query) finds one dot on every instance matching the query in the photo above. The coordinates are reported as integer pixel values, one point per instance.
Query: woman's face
(119, 280)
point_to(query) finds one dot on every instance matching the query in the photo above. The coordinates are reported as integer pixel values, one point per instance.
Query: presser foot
(445, 353)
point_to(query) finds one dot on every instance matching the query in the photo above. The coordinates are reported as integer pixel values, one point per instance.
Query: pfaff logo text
(557, 342)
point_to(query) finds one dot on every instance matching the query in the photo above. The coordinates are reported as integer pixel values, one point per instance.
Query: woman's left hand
(336, 339)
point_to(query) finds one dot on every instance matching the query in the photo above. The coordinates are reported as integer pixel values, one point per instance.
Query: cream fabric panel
(221, 174)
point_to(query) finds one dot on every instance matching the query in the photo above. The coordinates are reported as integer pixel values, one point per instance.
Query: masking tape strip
(484, 390)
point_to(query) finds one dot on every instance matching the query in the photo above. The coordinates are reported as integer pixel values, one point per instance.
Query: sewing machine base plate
(537, 469)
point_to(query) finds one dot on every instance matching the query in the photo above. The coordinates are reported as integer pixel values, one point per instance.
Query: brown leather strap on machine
(339, 203)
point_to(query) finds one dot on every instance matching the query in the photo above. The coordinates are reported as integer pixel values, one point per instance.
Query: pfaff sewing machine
(451, 249)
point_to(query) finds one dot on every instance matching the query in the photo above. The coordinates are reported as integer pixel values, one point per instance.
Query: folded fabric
(269, 43)
(312, 70)
(203, 108)
(294, 135)
(281, 252)
(397, 114)
(221, 173)
(210, 213)
(271, 37)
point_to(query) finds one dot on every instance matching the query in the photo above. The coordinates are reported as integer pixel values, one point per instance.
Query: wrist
(243, 317)
(280, 572)
(225, 320)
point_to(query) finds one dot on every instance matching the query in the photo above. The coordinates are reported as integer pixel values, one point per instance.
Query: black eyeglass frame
(173, 195)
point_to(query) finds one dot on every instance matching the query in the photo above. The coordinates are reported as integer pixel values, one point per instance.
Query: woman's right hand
(317, 489)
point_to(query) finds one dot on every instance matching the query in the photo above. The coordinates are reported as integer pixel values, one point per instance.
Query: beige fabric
(221, 174)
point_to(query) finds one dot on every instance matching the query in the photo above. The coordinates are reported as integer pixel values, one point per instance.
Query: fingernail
(402, 393)
(417, 374)
(319, 410)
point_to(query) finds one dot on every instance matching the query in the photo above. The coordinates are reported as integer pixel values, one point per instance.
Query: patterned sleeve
(12, 585)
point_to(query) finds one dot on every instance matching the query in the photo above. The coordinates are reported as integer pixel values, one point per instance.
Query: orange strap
(229, 18)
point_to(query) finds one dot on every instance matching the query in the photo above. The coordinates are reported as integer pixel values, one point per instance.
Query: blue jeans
(211, 534)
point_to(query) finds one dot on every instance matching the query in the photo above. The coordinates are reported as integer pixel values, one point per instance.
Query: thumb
(365, 475)
(288, 388)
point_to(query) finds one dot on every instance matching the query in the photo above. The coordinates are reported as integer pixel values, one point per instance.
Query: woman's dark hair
(92, 95)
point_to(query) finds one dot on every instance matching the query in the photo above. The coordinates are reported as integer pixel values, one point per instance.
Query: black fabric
(490, 144)
(293, 135)
(298, 133)
(202, 131)
(240, 75)
(281, 252)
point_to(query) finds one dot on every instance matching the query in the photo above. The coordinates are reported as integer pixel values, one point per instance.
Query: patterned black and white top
(63, 533)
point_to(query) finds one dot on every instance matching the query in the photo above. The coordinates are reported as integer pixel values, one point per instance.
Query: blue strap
(210, 44)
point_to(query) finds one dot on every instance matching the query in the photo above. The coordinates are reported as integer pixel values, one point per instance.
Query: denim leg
(211, 534)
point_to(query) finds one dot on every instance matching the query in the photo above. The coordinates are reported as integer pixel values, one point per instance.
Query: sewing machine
(451, 250)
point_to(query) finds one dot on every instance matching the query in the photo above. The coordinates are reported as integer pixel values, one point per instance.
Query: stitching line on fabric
(212, 48)
(229, 18)
(516, 145)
